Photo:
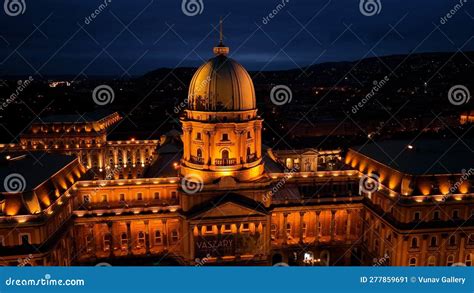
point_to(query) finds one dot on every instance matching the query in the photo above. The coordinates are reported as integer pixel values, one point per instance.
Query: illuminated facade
(86, 137)
(213, 196)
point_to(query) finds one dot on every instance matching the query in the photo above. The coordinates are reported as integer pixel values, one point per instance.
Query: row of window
(434, 241)
(225, 136)
(23, 239)
(449, 260)
(140, 241)
(437, 215)
(138, 196)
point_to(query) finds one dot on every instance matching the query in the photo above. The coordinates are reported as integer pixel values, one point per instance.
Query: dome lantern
(221, 49)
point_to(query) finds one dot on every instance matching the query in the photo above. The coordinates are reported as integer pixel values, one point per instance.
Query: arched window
(432, 261)
(225, 154)
(414, 242)
(124, 240)
(106, 241)
(412, 262)
(450, 260)
(141, 238)
(469, 258)
(452, 240)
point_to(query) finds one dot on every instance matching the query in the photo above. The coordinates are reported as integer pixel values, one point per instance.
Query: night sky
(48, 39)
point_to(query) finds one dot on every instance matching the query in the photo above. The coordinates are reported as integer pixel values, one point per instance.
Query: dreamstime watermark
(21, 86)
(266, 19)
(103, 264)
(445, 18)
(459, 95)
(192, 7)
(25, 261)
(281, 182)
(370, 7)
(369, 183)
(200, 262)
(281, 264)
(280, 95)
(378, 85)
(103, 95)
(44, 281)
(185, 103)
(14, 7)
(14, 183)
(455, 187)
(90, 18)
(378, 262)
(192, 184)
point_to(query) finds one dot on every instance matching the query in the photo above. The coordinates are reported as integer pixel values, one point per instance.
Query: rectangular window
(209, 229)
(104, 197)
(274, 229)
(417, 216)
(225, 137)
(174, 195)
(156, 195)
(158, 238)
(227, 228)
(25, 239)
(456, 214)
(122, 197)
(174, 236)
(245, 227)
(139, 196)
(86, 198)
(198, 136)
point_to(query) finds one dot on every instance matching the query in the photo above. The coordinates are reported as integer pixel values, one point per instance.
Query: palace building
(214, 195)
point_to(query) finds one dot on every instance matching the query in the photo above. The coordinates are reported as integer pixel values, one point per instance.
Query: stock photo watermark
(14, 7)
(459, 95)
(280, 95)
(370, 7)
(378, 85)
(192, 7)
(103, 95)
(14, 183)
(21, 86)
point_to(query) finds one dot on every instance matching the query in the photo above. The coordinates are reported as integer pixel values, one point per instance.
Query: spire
(221, 49)
(221, 35)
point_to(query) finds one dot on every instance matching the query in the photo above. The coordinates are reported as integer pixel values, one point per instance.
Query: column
(423, 260)
(317, 231)
(94, 244)
(285, 222)
(237, 249)
(348, 226)
(165, 232)
(129, 238)
(301, 227)
(147, 236)
(333, 224)
(111, 233)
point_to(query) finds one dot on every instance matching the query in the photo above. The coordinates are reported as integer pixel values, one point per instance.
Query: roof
(221, 84)
(76, 118)
(30, 170)
(169, 154)
(427, 156)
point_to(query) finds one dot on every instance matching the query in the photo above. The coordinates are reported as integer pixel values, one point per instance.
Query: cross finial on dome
(221, 49)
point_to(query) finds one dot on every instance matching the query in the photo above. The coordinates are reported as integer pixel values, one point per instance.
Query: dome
(221, 84)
